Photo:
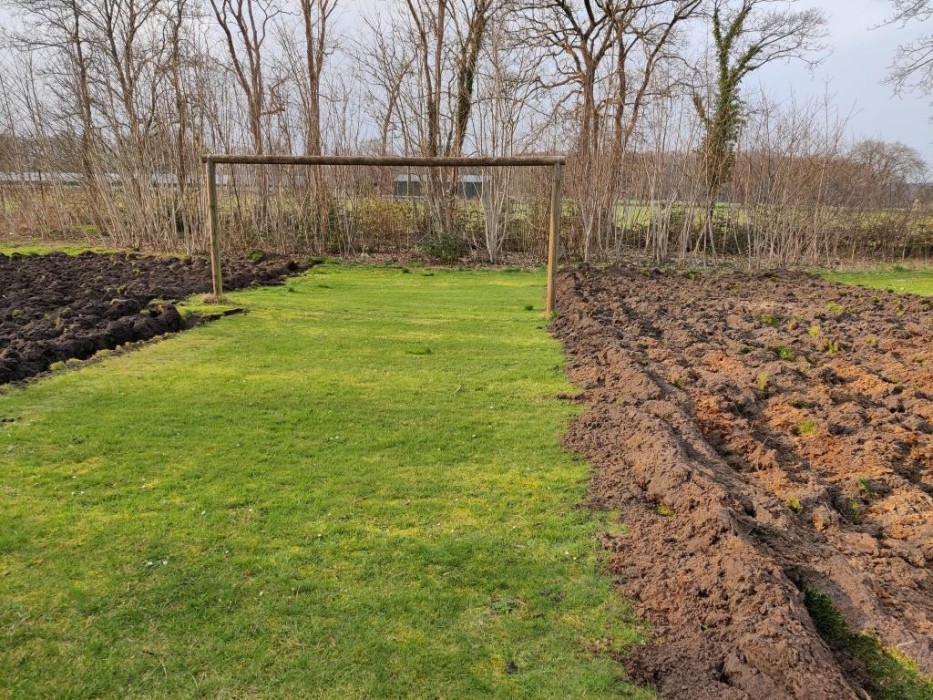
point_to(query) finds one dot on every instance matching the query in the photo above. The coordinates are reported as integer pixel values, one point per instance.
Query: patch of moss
(782, 352)
(892, 675)
(770, 319)
(808, 427)
(763, 383)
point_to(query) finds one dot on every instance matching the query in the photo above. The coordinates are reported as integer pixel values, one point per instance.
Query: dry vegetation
(106, 108)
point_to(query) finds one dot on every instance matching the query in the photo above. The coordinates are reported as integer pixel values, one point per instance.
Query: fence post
(553, 239)
(211, 222)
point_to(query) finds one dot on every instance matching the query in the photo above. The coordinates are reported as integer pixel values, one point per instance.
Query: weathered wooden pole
(557, 162)
(553, 239)
(212, 229)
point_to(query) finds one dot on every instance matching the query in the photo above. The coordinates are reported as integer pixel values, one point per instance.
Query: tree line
(107, 105)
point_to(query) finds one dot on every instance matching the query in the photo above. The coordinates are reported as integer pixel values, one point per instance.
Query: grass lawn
(897, 279)
(356, 490)
(45, 248)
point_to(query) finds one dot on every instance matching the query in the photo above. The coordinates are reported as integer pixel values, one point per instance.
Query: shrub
(444, 247)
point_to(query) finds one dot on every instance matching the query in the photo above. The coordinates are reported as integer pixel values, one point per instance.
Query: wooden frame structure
(211, 161)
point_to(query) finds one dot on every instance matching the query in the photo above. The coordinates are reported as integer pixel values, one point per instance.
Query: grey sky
(855, 71)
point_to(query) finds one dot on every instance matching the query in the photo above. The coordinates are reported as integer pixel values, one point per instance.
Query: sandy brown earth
(760, 435)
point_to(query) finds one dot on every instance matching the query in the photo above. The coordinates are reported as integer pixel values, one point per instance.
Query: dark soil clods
(777, 475)
(58, 307)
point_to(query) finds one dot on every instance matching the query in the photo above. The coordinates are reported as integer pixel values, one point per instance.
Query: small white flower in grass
(149, 563)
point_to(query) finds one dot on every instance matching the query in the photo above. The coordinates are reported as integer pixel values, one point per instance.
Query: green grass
(46, 248)
(898, 279)
(782, 352)
(807, 427)
(302, 502)
(892, 676)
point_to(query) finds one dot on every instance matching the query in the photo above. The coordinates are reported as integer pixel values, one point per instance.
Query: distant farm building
(410, 186)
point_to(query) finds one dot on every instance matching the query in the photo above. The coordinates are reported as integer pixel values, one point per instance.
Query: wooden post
(557, 162)
(553, 239)
(212, 228)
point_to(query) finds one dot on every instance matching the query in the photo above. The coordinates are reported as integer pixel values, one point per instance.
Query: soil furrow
(761, 435)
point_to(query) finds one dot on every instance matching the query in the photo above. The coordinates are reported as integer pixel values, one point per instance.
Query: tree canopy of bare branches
(912, 67)
(107, 105)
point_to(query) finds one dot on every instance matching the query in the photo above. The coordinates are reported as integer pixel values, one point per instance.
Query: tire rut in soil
(761, 435)
(58, 307)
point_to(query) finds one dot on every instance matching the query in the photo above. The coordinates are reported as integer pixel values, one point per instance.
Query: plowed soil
(58, 307)
(760, 435)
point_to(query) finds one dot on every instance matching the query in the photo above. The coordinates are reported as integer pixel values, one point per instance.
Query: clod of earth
(55, 308)
(763, 515)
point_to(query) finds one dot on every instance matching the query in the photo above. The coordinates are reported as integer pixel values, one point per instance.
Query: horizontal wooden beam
(465, 162)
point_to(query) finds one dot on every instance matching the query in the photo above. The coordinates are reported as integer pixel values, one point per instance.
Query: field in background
(354, 212)
(896, 279)
(357, 490)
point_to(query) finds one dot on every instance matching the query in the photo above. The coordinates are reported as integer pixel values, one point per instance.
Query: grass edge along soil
(57, 307)
(705, 462)
(356, 490)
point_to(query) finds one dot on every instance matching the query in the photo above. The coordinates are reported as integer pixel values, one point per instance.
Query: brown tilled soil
(58, 307)
(744, 479)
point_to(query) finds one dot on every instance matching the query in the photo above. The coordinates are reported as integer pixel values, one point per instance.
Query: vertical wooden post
(553, 239)
(211, 222)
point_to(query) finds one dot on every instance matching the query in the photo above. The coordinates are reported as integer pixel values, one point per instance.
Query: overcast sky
(855, 71)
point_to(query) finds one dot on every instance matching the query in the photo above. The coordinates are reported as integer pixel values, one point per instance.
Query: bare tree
(386, 61)
(245, 25)
(747, 35)
(447, 37)
(606, 54)
(315, 15)
(62, 31)
(504, 123)
(913, 64)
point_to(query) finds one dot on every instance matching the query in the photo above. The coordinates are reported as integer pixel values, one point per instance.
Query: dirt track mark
(760, 434)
